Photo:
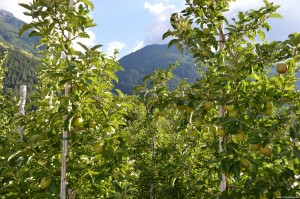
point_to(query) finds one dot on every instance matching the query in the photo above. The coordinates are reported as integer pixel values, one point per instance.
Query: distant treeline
(20, 69)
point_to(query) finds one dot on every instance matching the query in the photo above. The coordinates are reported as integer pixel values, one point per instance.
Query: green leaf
(28, 7)
(296, 152)
(261, 35)
(24, 28)
(275, 15)
(167, 34)
(14, 155)
(83, 46)
(96, 47)
(172, 42)
(112, 75)
(34, 34)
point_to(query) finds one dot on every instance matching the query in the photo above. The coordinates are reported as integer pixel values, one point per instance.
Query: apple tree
(74, 95)
(254, 107)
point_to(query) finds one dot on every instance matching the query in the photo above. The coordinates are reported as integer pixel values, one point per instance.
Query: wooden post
(65, 139)
(223, 183)
(23, 93)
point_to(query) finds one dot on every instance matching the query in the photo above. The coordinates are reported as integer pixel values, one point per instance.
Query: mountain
(9, 34)
(21, 63)
(146, 60)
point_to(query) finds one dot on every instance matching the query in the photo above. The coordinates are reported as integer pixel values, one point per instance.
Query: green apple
(229, 108)
(206, 31)
(78, 122)
(45, 182)
(197, 122)
(221, 132)
(269, 112)
(98, 148)
(281, 68)
(245, 163)
(92, 124)
(269, 105)
(195, 133)
(240, 137)
(255, 147)
(83, 88)
(162, 113)
(232, 114)
(212, 128)
(277, 194)
(266, 151)
(207, 105)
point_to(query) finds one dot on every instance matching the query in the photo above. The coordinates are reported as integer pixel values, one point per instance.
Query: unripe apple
(255, 147)
(245, 163)
(266, 151)
(221, 132)
(277, 194)
(229, 108)
(98, 148)
(195, 133)
(45, 182)
(206, 31)
(281, 68)
(240, 137)
(207, 105)
(162, 113)
(269, 105)
(92, 124)
(197, 122)
(269, 112)
(232, 114)
(83, 88)
(212, 128)
(78, 122)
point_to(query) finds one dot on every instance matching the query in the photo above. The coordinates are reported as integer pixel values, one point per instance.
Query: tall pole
(23, 93)
(223, 184)
(65, 138)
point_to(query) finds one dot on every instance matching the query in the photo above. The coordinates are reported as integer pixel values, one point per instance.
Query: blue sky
(132, 24)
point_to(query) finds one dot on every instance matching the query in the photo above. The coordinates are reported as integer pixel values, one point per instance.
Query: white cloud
(89, 42)
(13, 7)
(111, 47)
(161, 13)
(138, 46)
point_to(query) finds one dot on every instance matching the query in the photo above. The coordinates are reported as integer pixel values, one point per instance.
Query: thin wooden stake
(65, 138)
(223, 183)
(23, 93)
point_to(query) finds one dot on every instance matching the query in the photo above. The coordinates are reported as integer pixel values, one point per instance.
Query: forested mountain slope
(146, 60)
(9, 34)
(20, 69)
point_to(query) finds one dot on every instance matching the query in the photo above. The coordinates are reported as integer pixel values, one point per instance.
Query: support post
(65, 137)
(223, 184)
(23, 93)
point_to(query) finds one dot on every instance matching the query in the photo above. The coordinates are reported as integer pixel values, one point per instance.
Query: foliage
(158, 143)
